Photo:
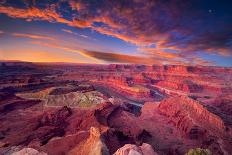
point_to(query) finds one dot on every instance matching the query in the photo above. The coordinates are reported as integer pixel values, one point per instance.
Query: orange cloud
(49, 14)
(69, 31)
(76, 6)
(32, 36)
(220, 51)
(80, 23)
(34, 13)
(200, 61)
(156, 52)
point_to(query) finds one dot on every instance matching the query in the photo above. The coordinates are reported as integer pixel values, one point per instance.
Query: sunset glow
(116, 32)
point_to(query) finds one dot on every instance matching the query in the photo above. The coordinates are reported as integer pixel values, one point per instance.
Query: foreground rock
(129, 149)
(92, 146)
(28, 151)
(196, 125)
(173, 126)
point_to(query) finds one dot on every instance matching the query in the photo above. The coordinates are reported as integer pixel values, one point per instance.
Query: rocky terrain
(72, 109)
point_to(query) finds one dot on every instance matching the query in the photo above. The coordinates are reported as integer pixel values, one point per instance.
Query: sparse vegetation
(199, 151)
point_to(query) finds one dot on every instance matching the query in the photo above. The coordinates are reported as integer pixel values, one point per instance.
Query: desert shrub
(199, 151)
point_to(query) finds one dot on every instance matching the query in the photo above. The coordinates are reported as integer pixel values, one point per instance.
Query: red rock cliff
(190, 116)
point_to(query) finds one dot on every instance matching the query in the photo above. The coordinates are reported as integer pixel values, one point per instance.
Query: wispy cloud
(109, 57)
(84, 36)
(74, 33)
(69, 31)
(156, 52)
(100, 57)
(33, 36)
(66, 48)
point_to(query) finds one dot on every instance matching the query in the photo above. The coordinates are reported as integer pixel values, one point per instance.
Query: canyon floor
(80, 109)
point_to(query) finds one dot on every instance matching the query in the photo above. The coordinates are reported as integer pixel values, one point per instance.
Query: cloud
(121, 58)
(170, 25)
(1, 32)
(66, 48)
(84, 36)
(69, 31)
(155, 52)
(109, 57)
(185, 27)
(74, 33)
(102, 57)
(33, 36)
(33, 13)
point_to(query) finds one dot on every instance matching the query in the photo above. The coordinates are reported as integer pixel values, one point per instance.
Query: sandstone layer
(115, 109)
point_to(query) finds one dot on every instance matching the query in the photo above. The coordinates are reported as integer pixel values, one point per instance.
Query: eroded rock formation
(92, 146)
(121, 109)
(129, 149)
(190, 117)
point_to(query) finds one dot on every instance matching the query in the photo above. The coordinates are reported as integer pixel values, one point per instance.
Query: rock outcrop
(92, 146)
(28, 151)
(130, 149)
(190, 117)
(185, 86)
(104, 111)
(52, 97)
(57, 118)
(187, 120)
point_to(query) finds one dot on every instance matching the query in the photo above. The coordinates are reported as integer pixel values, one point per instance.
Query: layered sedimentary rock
(190, 117)
(122, 87)
(185, 86)
(137, 105)
(224, 102)
(186, 122)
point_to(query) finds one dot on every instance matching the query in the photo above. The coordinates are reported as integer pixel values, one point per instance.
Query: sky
(180, 32)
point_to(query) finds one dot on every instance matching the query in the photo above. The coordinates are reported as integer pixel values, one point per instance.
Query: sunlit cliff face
(135, 31)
